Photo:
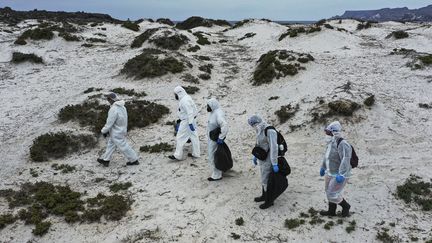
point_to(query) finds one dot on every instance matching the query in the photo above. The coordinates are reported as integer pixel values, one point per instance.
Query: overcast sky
(218, 9)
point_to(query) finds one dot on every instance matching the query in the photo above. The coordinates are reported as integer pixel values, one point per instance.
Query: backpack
(354, 158)
(282, 145)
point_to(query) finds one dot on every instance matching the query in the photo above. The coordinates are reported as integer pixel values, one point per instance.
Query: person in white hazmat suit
(336, 168)
(116, 128)
(187, 129)
(269, 144)
(216, 119)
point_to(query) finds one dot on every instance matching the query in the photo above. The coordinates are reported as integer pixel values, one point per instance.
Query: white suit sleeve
(345, 152)
(223, 125)
(189, 109)
(323, 164)
(112, 117)
(274, 150)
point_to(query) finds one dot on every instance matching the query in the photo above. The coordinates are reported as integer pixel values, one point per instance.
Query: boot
(345, 208)
(266, 205)
(261, 198)
(103, 162)
(331, 210)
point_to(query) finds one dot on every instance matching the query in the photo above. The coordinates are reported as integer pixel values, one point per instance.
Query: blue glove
(276, 168)
(177, 127)
(340, 178)
(220, 141)
(254, 161)
(322, 172)
(192, 128)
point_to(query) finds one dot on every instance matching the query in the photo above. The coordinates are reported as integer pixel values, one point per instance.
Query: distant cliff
(391, 14)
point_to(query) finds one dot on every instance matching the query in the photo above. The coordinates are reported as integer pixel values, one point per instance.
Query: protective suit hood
(213, 103)
(336, 128)
(180, 91)
(120, 103)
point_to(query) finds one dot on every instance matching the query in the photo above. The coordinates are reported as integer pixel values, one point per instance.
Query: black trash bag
(222, 158)
(214, 134)
(276, 185)
(259, 153)
(284, 167)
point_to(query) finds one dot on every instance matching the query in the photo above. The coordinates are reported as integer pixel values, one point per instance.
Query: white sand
(392, 139)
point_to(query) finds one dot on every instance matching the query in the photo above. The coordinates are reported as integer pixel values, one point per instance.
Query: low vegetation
(69, 37)
(92, 114)
(296, 31)
(128, 92)
(293, 223)
(416, 191)
(400, 34)
(116, 187)
(425, 106)
(131, 25)
(277, 64)
(191, 89)
(58, 145)
(194, 48)
(202, 40)
(18, 57)
(91, 89)
(342, 107)
(247, 35)
(64, 168)
(41, 200)
(139, 40)
(189, 78)
(165, 21)
(157, 148)
(385, 237)
(35, 34)
(369, 101)
(286, 112)
(364, 25)
(173, 42)
(149, 66)
(207, 68)
(239, 221)
(204, 76)
(96, 40)
(196, 21)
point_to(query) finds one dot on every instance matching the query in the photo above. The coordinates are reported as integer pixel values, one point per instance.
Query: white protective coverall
(268, 143)
(116, 125)
(187, 112)
(336, 161)
(216, 119)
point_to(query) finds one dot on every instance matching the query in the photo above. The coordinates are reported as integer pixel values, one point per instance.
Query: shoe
(261, 198)
(345, 208)
(331, 210)
(266, 205)
(133, 163)
(211, 179)
(172, 157)
(190, 155)
(103, 162)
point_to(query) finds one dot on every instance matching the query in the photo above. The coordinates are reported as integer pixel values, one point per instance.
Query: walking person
(267, 145)
(187, 129)
(116, 128)
(216, 120)
(336, 168)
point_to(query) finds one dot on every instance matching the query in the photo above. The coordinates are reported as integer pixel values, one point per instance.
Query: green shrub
(202, 40)
(329, 225)
(116, 187)
(247, 35)
(140, 114)
(194, 22)
(35, 34)
(165, 21)
(235, 236)
(194, 48)
(274, 98)
(69, 37)
(139, 40)
(20, 41)
(239, 221)
(41, 228)
(425, 106)
(64, 168)
(190, 78)
(58, 145)
(149, 66)
(87, 45)
(204, 76)
(191, 89)
(131, 25)
(314, 29)
(369, 101)
(400, 34)
(351, 227)
(343, 107)
(241, 23)
(18, 57)
(426, 60)
(203, 58)
(362, 26)
(417, 191)
(265, 72)
(157, 148)
(383, 236)
(91, 89)
(328, 26)
(128, 92)
(96, 40)
(293, 223)
(6, 219)
(207, 68)
(173, 42)
(286, 112)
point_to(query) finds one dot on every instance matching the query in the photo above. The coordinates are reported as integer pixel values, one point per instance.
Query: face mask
(209, 109)
(176, 97)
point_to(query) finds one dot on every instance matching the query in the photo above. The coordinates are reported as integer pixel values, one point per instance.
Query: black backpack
(354, 158)
(282, 145)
